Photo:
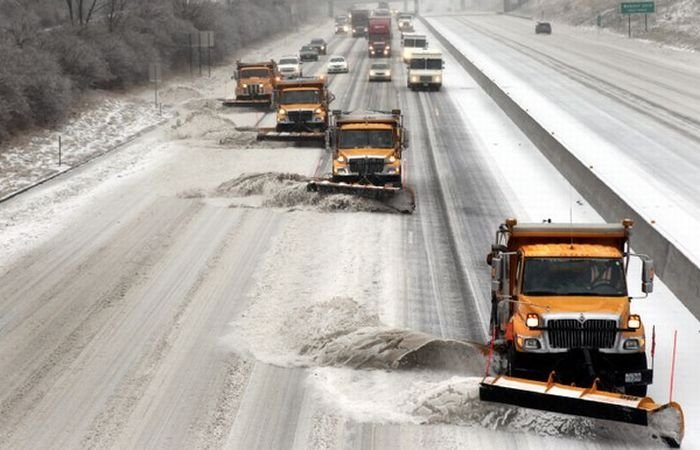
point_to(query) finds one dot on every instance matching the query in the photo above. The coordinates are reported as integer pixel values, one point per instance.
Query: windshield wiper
(541, 293)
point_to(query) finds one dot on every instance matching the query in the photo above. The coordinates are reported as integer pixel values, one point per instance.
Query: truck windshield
(414, 43)
(290, 97)
(574, 276)
(431, 64)
(366, 139)
(255, 73)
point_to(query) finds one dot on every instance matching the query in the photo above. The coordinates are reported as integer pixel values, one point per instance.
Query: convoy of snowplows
(564, 337)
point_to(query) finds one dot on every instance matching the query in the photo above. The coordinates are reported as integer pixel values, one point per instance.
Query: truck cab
(256, 81)
(302, 105)
(367, 147)
(359, 21)
(561, 307)
(425, 70)
(379, 37)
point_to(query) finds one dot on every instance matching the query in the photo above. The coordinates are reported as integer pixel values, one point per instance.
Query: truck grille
(366, 166)
(254, 89)
(592, 333)
(300, 116)
(426, 78)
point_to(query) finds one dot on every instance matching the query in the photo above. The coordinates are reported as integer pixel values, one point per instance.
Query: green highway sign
(637, 7)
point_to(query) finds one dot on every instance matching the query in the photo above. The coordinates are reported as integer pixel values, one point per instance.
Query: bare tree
(115, 11)
(82, 10)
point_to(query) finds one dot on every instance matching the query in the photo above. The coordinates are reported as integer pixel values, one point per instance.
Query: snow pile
(456, 401)
(203, 124)
(342, 333)
(179, 94)
(287, 190)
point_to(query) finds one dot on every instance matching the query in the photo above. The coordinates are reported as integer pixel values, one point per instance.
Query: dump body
(563, 305)
(565, 338)
(359, 20)
(255, 83)
(367, 151)
(302, 105)
(379, 37)
(367, 148)
(425, 70)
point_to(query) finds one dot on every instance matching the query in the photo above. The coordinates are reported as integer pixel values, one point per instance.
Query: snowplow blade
(400, 199)
(316, 138)
(250, 102)
(666, 421)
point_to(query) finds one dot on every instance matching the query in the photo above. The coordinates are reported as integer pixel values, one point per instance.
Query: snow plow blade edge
(665, 420)
(400, 199)
(242, 103)
(312, 137)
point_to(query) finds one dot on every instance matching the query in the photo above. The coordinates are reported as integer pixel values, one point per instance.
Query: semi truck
(379, 37)
(565, 337)
(359, 21)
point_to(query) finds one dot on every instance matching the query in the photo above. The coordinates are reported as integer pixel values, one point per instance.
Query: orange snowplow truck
(565, 337)
(255, 83)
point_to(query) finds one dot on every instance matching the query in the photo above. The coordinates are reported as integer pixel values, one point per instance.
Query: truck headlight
(392, 159)
(631, 344)
(531, 344)
(532, 320)
(634, 321)
(282, 112)
(245, 85)
(414, 79)
(318, 111)
(340, 158)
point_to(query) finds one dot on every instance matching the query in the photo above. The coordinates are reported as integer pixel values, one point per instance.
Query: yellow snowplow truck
(367, 150)
(302, 111)
(565, 338)
(255, 83)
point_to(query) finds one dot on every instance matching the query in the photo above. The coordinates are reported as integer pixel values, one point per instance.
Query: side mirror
(496, 274)
(443, 64)
(406, 139)
(234, 76)
(648, 273)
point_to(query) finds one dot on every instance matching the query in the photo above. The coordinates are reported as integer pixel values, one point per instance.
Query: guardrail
(678, 272)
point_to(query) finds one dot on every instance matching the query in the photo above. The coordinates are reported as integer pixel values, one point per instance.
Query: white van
(425, 70)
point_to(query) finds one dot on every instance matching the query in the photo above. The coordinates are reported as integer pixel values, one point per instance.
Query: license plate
(633, 377)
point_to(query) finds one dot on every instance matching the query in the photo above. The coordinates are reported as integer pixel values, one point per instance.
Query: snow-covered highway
(158, 298)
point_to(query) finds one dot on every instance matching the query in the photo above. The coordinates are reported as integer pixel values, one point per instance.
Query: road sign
(637, 7)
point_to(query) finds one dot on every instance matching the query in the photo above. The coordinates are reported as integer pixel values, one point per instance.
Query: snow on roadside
(98, 129)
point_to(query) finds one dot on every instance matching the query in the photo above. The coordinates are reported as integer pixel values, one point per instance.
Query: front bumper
(337, 70)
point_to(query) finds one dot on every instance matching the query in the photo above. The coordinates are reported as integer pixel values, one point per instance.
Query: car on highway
(337, 64)
(543, 28)
(289, 66)
(320, 44)
(380, 71)
(308, 53)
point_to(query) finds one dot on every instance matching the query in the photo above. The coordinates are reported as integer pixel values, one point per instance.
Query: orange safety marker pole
(673, 365)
